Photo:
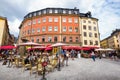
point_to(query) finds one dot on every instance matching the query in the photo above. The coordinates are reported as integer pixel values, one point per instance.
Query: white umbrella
(29, 44)
(59, 44)
(100, 49)
(109, 49)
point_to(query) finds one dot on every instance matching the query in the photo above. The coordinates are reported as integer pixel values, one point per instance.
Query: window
(55, 39)
(70, 29)
(39, 13)
(55, 28)
(94, 28)
(43, 19)
(75, 12)
(85, 42)
(37, 40)
(34, 22)
(94, 22)
(85, 34)
(64, 39)
(96, 42)
(56, 11)
(89, 21)
(64, 29)
(30, 15)
(43, 28)
(95, 35)
(64, 20)
(44, 12)
(32, 39)
(64, 11)
(29, 23)
(84, 27)
(75, 20)
(38, 20)
(91, 42)
(28, 31)
(50, 28)
(84, 21)
(38, 30)
(55, 19)
(34, 14)
(49, 39)
(33, 30)
(70, 20)
(90, 34)
(70, 12)
(43, 39)
(76, 29)
(89, 27)
(50, 11)
(76, 39)
(70, 39)
(50, 19)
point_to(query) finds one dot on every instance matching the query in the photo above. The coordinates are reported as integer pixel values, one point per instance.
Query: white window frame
(56, 11)
(34, 21)
(50, 19)
(55, 19)
(76, 20)
(38, 29)
(49, 39)
(70, 12)
(56, 28)
(70, 20)
(70, 29)
(38, 20)
(50, 28)
(43, 29)
(64, 29)
(64, 20)
(43, 19)
(50, 11)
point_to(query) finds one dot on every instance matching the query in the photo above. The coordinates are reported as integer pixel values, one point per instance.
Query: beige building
(89, 31)
(5, 37)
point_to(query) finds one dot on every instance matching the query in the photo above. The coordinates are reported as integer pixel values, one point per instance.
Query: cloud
(107, 11)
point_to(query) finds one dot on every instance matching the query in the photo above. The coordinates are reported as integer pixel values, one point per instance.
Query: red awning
(7, 47)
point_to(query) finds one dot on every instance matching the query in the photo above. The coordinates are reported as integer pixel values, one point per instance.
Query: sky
(107, 11)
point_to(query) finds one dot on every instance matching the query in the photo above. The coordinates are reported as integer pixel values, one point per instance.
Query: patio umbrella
(59, 44)
(48, 48)
(29, 44)
(109, 49)
(100, 49)
(7, 47)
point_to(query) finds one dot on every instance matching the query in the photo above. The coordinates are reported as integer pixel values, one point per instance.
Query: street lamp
(59, 69)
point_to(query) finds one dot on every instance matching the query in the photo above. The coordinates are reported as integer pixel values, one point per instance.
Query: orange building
(51, 25)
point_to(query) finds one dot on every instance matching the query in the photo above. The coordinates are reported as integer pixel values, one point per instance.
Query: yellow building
(89, 31)
(113, 41)
(5, 37)
(104, 43)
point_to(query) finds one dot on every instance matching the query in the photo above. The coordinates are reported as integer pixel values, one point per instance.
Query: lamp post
(59, 69)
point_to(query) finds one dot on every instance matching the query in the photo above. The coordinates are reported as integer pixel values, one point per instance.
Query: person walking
(93, 55)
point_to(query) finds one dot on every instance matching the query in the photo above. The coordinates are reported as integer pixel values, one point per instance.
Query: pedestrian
(93, 55)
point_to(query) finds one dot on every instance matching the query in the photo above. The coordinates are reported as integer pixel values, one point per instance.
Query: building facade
(5, 37)
(51, 25)
(113, 41)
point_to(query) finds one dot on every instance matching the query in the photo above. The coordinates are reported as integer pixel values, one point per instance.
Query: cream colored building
(5, 37)
(89, 31)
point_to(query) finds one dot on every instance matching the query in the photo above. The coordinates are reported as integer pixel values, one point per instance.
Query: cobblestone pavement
(78, 69)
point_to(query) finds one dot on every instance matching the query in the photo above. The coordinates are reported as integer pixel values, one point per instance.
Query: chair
(25, 65)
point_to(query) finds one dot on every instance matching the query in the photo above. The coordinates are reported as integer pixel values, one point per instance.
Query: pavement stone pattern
(78, 69)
